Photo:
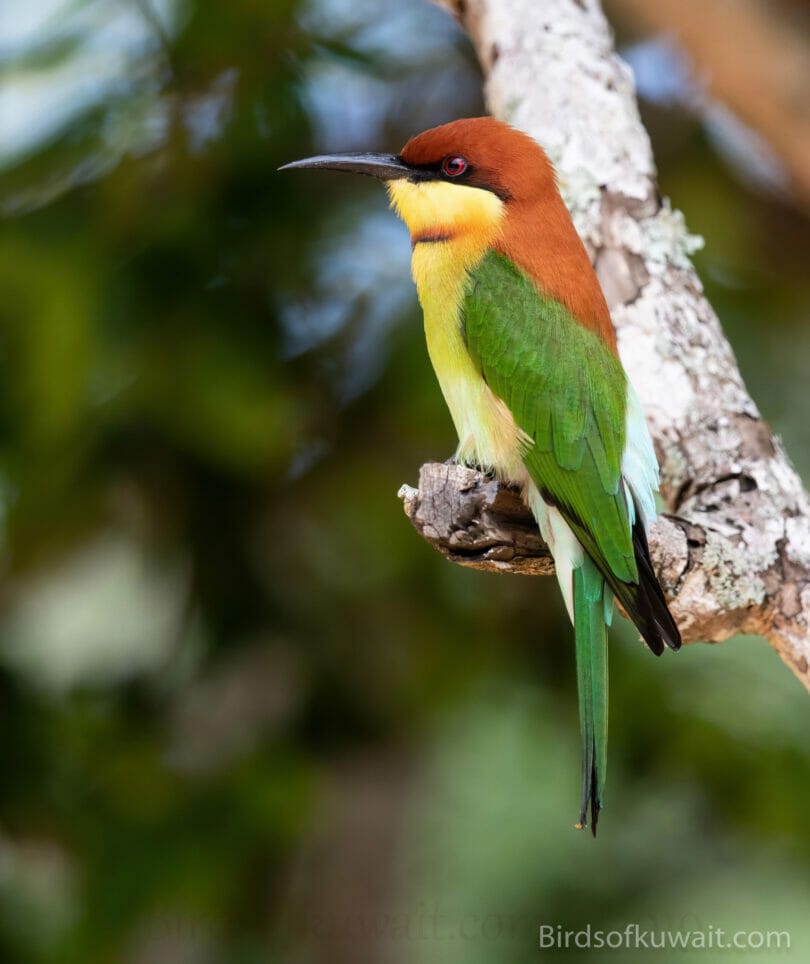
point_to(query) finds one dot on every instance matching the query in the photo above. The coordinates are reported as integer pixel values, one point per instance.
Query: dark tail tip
(590, 801)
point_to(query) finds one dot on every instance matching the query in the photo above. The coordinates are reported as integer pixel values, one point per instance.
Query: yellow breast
(452, 226)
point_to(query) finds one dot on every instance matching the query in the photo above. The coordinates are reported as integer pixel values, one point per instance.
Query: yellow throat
(452, 226)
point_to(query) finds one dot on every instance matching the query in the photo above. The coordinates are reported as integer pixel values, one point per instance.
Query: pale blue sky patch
(665, 75)
(361, 280)
(116, 48)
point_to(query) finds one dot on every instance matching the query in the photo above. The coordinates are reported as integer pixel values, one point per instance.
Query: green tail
(590, 630)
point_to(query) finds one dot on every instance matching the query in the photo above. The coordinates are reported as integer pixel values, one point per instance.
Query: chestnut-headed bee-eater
(521, 339)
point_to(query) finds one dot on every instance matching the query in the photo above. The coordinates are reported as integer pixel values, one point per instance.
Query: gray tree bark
(732, 548)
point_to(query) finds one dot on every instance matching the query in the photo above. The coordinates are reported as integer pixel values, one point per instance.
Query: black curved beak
(386, 167)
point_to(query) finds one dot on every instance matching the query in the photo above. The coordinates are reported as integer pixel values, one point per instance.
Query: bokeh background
(246, 714)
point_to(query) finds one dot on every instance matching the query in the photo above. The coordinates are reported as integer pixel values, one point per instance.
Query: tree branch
(733, 550)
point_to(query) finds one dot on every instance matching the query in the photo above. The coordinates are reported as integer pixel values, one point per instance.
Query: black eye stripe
(472, 176)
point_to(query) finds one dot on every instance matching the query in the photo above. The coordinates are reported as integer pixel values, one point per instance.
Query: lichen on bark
(733, 546)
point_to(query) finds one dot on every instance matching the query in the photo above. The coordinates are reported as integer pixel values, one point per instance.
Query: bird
(523, 346)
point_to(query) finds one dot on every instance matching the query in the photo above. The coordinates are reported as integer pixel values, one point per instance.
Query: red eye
(454, 165)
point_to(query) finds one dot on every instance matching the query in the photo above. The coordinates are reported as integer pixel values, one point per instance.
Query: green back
(568, 392)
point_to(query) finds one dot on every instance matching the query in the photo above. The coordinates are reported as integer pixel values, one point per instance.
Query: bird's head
(456, 179)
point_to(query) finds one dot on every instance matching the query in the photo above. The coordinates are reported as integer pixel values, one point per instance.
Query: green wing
(568, 392)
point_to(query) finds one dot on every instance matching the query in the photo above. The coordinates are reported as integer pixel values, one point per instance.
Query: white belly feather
(487, 433)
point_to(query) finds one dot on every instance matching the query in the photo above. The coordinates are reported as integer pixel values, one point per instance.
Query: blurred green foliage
(247, 714)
